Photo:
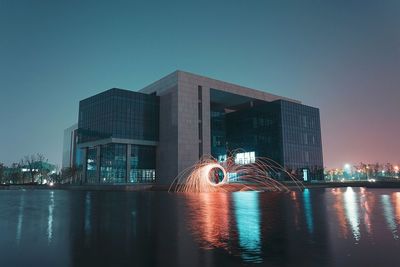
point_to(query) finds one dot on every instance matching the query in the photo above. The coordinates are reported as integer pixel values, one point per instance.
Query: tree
(376, 168)
(16, 174)
(71, 174)
(34, 165)
(2, 171)
(66, 174)
(389, 169)
(362, 170)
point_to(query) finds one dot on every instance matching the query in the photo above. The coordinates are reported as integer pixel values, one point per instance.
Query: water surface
(319, 227)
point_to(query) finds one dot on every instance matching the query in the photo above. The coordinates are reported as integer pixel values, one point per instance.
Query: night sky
(340, 56)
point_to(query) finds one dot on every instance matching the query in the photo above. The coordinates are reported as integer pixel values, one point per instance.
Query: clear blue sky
(340, 56)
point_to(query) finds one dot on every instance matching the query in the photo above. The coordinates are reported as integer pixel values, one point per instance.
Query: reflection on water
(352, 212)
(87, 213)
(247, 214)
(396, 201)
(328, 227)
(389, 215)
(339, 210)
(209, 218)
(20, 219)
(215, 226)
(50, 218)
(366, 201)
(308, 210)
(296, 211)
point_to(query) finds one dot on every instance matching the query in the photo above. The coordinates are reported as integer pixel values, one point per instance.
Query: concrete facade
(179, 141)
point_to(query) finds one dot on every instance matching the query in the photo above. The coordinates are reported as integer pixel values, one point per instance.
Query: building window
(143, 165)
(113, 163)
(91, 169)
(245, 158)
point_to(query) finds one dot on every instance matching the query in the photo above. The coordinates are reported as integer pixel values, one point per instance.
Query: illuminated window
(222, 158)
(305, 175)
(232, 176)
(245, 158)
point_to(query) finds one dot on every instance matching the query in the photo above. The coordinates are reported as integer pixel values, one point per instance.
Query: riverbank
(231, 187)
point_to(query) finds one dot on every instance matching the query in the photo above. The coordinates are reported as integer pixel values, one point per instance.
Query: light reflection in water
(388, 213)
(350, 202)
(87, 223)
(251, 227)
(247, 214)
(226, 220)
(209, 213)
(87, 212)
(20, 217)
(340, 213)
(293, 196)
(396, 200)
(50, 217)
(366, 208)
(308, 210)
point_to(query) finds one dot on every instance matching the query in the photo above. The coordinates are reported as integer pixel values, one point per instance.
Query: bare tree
(362, 169)
(376, 168)
(2, 170)
(389, 169)
(16, 174)
(34, 164)
(70, 174)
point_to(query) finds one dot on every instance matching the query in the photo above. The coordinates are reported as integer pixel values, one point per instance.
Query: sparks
(209, 175)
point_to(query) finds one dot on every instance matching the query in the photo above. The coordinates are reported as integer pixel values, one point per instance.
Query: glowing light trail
(209, 175)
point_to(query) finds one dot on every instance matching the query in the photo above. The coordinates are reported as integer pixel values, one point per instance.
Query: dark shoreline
(235, 187)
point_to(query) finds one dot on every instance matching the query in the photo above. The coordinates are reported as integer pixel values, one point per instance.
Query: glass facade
(301, 138)
(221, 104)
(91, 169)
(218, 132)
(142, 164)
(113, 163)
(114, 168)
(129, 118)
(119, 113)
(256, 127)
(286, 132)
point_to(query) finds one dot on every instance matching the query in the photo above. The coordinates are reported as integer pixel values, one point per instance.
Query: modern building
(157, 132)
(71, 155)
